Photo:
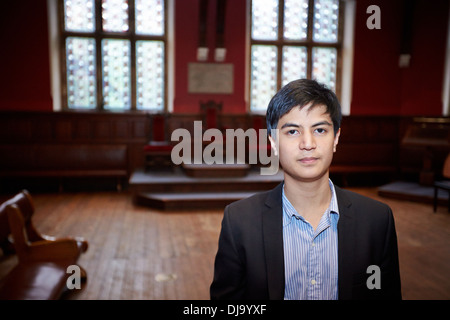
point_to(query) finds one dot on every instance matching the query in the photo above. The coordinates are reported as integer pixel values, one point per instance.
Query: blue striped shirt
(311, 256)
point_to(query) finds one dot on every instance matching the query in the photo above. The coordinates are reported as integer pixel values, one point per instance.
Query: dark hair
(299, 93)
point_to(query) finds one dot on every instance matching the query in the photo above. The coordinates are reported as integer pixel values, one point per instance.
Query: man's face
(306, 143)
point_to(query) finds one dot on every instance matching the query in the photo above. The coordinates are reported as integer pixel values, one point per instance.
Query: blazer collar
(272, 224)
(346, 242)
(344, 202)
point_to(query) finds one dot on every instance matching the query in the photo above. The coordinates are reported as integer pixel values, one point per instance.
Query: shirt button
(313, 244)
(313, 281)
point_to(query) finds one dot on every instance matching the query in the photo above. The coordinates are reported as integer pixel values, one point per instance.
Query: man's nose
(307, 141)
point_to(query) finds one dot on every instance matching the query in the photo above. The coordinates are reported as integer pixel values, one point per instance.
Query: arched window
(292, 39)
(113, 54)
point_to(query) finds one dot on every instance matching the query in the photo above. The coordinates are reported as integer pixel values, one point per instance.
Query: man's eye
(292, 132)
(321, 130)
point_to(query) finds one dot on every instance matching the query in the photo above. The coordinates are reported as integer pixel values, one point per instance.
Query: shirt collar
(290, 212)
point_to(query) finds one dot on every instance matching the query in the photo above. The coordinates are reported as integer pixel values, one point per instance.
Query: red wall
(380, 87)
(186, 44)
(24, 56)
(422, 83)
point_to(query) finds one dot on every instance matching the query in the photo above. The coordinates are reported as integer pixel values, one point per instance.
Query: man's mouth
(308, 160)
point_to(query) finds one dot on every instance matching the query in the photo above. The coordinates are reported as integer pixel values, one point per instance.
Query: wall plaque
(210, 78)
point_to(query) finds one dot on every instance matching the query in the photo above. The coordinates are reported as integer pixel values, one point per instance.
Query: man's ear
(336, 139)
(273, 145)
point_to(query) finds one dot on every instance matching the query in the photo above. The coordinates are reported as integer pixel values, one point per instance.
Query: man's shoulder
(363, 205)
(256, 200)
(358, 198)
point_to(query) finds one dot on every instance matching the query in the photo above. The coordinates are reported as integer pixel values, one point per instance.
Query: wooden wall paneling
(364, 139)
(16, 156)
(185, 121)
(232, 121)
(140, 130)
(135, 156)
(63, 130)
(42, 130)
(369, 128)
(20, 130)
(357, 154)
(82, 130)
(102, 130)
(121, 129)
(5, 134)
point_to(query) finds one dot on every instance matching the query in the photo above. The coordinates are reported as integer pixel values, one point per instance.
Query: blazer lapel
(272, 226)
(346, 243)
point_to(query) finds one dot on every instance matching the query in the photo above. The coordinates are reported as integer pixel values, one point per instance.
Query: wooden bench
(64, 161)
(41, 271)
(360, 158)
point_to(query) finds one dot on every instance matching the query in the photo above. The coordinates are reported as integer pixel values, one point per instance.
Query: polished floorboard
(139, 253)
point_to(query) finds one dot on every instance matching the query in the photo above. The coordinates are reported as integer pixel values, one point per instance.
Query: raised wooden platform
(191, 200)
(411, 191)
(175, 190)
(216, 170)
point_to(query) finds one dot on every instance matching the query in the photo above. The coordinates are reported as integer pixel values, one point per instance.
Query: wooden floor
(139, 253)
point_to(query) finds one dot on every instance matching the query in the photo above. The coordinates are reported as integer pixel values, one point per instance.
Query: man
(306, 238)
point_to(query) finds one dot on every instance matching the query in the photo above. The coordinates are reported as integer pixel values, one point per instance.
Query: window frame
(98, 35)
(309, 43)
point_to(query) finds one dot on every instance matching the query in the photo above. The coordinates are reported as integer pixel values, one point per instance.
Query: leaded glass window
(307, 45)
(263, 74)
(114, 54)
(81, 72)
(116, 73)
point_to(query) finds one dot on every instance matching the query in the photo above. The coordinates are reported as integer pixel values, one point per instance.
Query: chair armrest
(60, 249)
(64, 249)
(81, 242)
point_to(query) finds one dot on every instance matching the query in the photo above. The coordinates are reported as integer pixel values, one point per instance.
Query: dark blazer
(250, 263)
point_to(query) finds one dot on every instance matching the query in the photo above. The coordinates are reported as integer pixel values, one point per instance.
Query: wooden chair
(211, 110)
(158, 151)
(43, 261)
(443, 184)
(29, 244)
(5, 241)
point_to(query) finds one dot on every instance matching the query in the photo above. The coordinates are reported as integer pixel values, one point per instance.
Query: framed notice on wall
(210, 78)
